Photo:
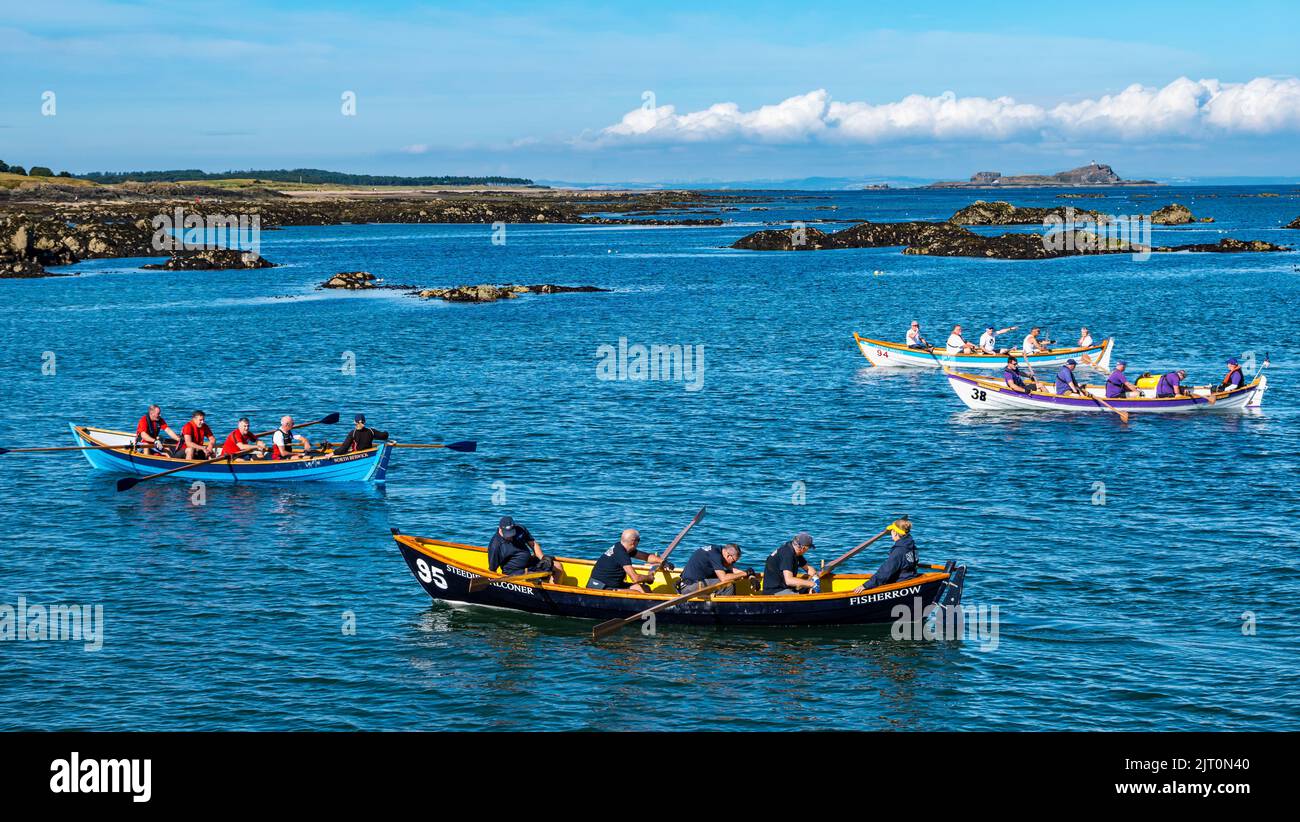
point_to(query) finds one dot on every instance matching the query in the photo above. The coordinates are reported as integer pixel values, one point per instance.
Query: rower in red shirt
(197, 441)
(241, 441)
(150, 428)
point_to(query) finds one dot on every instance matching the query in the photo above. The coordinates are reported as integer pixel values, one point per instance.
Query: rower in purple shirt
(1065, 381)
(1012, 377)
(1171, 385)
(1117, 386)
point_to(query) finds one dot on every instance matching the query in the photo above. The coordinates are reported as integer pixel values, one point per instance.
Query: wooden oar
(463, 445)
(60, 448)
(828, 567)
(328, 419)
(479, 583)
(663, 558)
(1123, 415)
(607, 628)
(126, 483)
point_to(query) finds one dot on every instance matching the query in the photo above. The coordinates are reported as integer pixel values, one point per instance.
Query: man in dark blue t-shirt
(781, 571)
(614, 570)
(514, 551)
(1065, 379)
(710, 565)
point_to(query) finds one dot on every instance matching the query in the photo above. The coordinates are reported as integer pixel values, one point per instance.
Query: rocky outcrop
(355, 280)
(1293, 224)
(1176, 214)
(1093, 174)
(212, 259)
(1000, 212)
(492, 293)
(949, 240)
(789, 239)
(28, 243)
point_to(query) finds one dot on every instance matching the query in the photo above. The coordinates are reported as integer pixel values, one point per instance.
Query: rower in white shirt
(957, 345)
(989, 340)
(914, 338)
(1085, 338)
(1031, 344)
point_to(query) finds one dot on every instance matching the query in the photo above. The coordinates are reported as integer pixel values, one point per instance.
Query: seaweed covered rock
(212, 259)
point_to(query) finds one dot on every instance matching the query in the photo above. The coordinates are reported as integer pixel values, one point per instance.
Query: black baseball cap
(507, 525)
(359, 418)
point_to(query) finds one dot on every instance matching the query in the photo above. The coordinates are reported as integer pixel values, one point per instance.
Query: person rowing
(1085, 338)
(1032, 345)
(1171, 385)
(1065, 379)
(957, 344)
(1117, 384)
(1235, 378)
(197, 441)
(282, 441)
(989, 340)
(900, 565)
(241, 442)
(513, 551)
(149, 431)
(614, 569)
(360, 438)
(712, 564)
(781, 571)
(1013, 377)
(914, 338)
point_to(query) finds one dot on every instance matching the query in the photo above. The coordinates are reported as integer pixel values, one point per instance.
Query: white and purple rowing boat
(987, 394)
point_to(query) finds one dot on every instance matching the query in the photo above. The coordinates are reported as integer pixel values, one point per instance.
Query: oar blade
(127, 483)
(4, 450)
(463, 445)
(604, 629)
(330, 419)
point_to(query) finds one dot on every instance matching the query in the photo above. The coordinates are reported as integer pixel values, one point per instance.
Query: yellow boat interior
(473, 558)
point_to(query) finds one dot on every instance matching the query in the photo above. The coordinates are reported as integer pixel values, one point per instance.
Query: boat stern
(1257, 398)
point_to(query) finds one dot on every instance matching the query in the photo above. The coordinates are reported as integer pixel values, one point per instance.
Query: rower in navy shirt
(1012, 376)
(1235, 378)
(900, 565)
(614, 570)
(1065, 381)
(781, 571)
(513, 550)
(710, 565)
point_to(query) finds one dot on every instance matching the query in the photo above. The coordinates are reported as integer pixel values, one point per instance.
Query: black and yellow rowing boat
(445, 569)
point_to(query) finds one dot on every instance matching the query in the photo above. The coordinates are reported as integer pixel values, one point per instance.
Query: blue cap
(1232, 361)
(1121, 363)
(1071, 362)
(359, 418)
(507, 525)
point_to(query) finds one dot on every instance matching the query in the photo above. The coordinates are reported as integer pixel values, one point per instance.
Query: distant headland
(1093, 174)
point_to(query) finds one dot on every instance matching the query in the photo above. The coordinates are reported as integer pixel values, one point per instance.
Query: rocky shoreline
(483, 293)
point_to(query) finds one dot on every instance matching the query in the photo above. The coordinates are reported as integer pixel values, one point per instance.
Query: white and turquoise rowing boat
(895, 355)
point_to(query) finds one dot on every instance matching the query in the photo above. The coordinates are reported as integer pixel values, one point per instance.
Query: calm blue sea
(1172, 606)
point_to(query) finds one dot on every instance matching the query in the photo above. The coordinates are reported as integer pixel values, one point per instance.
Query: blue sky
(740, 91)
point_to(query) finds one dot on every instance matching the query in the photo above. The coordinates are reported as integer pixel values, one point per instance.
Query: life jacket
(1235, 379)
(281, 453)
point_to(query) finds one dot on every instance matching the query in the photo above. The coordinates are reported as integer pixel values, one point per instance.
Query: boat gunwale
(420, 545)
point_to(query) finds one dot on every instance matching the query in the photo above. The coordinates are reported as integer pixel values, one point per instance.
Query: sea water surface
(1171, 606)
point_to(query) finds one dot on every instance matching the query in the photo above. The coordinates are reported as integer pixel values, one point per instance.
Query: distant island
(1093, 174)
(313, 176)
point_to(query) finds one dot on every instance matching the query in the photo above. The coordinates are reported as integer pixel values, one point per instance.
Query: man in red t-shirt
(150, 428)
(197, 441)
(240, 441)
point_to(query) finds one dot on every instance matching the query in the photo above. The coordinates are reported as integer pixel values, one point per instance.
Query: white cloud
(1184, 107)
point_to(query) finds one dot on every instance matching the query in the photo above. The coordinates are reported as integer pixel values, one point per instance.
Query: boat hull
(446, 579)
(893, 355)
(370, 465)
(984, 394)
